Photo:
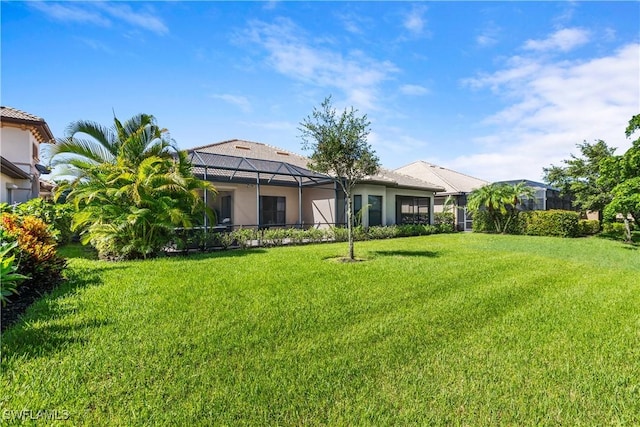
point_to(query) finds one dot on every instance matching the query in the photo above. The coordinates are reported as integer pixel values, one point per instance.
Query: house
(21, 134)
(456, 188)
(263, 186)
(546, 197)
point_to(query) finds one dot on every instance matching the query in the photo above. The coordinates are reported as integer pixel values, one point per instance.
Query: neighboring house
(456, 186)
(21, 135)
(546, 197)
(261, 186)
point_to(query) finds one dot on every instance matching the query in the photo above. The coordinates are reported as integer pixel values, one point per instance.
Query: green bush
(549, 223)
(445, 222)
(589, 227)
(615, 230)
(380, 232)
(35, 250)
(9, 276)
(244, 237)
(482, 222)
(57, 216)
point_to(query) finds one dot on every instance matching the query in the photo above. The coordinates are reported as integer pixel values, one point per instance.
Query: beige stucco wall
(11, 195)
(319, 206)
(17, 147)
(20, 147)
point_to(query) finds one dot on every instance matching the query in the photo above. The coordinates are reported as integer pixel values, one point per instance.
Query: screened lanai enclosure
(266, 193)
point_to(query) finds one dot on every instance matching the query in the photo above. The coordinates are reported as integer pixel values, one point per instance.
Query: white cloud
(415, 21)
(291, 54)
(144, 20)
(415, 90)
(489, 36)
(70, 12)
(102, 14)
(239, 101)
(553, 106)
(563, 40)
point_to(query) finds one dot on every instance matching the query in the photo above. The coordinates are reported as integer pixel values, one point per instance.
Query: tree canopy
(339, 147)
(580, 177)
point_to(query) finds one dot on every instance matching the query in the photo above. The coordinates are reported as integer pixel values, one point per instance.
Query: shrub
(244, 237)
(380, 232)
(57, 216)
(36, 250)
(549, 223)
(9, 276)
(482, 222)
(615, 230)
(445, 222)
(589, 227)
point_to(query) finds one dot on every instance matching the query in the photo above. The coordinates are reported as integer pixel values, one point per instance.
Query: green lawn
(450, 329)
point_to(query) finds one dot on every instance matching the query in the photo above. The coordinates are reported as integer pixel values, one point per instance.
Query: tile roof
(260, 151)
(254, 150)
(14, 113)
(452, 181)
(395, 178)
(40, 127)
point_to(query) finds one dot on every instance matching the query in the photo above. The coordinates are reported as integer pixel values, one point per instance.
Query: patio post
(299, 202)
(258, 199)
(206, 220)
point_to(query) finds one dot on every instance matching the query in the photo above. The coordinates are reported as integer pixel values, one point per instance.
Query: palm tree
(492, 197)
(514, 195)
(88, 144)
(132, 213)
(131, 185)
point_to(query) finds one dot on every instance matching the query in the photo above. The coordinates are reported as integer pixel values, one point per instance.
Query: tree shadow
(403, 253)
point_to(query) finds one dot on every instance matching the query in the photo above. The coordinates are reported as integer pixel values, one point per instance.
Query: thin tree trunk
(627, 228)
(350, 226)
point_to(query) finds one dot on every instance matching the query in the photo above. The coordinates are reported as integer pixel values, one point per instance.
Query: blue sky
(496, 90)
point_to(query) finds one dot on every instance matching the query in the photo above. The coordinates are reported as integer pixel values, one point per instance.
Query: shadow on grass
(222, 253)
(49, 323)
(402, 253)
(77, 250)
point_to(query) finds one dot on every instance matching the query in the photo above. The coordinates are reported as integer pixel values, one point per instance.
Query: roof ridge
(29, 116)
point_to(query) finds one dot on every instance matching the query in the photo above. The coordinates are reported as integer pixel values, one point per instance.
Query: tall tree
(623, 174)
(579, 178)
(339, 148)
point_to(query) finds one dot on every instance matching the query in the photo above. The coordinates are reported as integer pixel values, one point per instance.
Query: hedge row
(195, 239)
(541, 223)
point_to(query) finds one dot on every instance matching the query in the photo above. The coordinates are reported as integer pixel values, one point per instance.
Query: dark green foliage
(445, 221)
(581, 176)
(9, 276)
(616, 230)
(589, 227)
(549, 223)
(484, 222)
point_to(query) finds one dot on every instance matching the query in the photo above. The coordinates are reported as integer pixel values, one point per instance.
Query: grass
(459, 329)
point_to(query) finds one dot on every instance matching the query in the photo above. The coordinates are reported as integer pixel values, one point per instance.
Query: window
(225, 209)
(272, 210)
(412, 210)
(357, 209)
(375, 210)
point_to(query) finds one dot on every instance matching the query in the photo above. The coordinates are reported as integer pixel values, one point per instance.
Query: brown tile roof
(452, 181)
(37, 124)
